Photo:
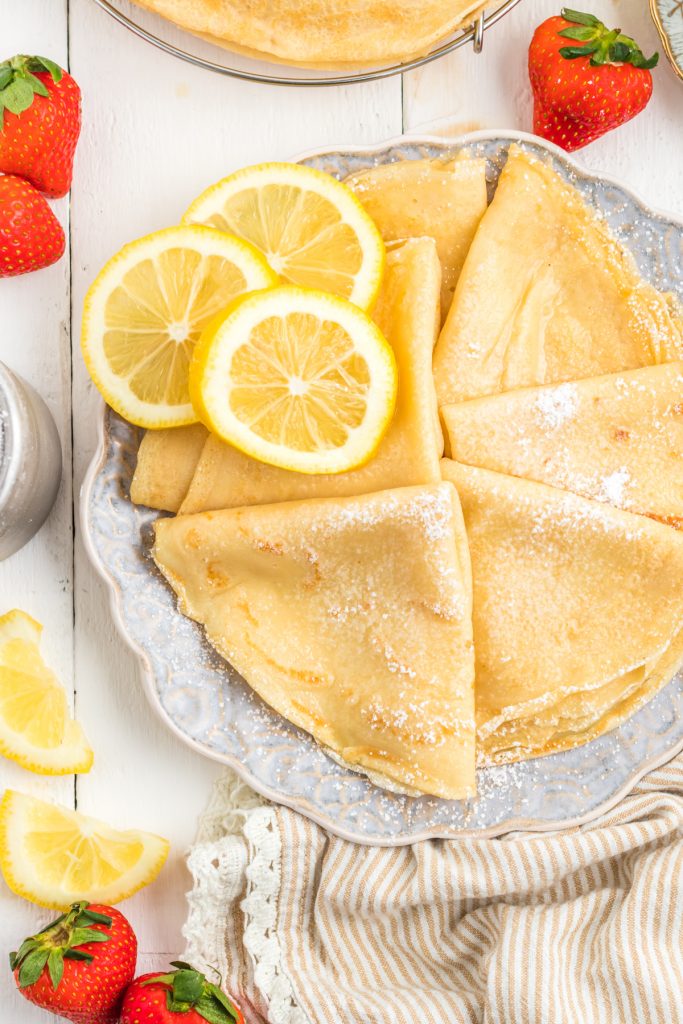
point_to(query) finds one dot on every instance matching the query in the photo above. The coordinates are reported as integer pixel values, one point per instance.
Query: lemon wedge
(146, 309)
(312, 229)
(36, 730)
(54, 856)
(296, 378)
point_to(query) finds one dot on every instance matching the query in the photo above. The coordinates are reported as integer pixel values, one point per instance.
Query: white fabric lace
(238, 852)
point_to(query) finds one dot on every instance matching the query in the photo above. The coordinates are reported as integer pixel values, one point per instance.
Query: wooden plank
(157, 132)
(34, 341)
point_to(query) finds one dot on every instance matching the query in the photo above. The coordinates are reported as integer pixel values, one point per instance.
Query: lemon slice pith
(54, 856)
(311, 228)
(296, 378)
(36, 730)
(146, 309)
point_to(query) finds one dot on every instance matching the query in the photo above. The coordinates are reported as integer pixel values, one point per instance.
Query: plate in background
(668, 17)
(208, 705)
(180, 43)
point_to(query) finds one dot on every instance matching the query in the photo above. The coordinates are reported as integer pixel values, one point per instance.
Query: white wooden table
(156, 131)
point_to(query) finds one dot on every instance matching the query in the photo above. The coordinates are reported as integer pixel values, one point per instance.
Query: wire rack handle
(478, 37)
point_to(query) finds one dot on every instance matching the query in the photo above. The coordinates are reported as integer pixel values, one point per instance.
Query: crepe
(166, 463)
(577, 607)
(413, 198)
(351, 617)
(407, 314)
(616, 438)
(547, 295)
(314, 32)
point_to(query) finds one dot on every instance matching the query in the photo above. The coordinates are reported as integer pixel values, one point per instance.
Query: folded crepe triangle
(616, 438)
(407, 313)
(351, 617)
(578, 608)
(415, 198)
(547, 295)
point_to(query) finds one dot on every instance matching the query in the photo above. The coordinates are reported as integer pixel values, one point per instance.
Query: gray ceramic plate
(668, 17)
(211, 708)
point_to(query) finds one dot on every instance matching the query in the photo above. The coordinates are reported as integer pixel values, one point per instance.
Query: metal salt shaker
(30, 462)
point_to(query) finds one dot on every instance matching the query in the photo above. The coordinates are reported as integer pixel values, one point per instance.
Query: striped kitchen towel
(583, 926)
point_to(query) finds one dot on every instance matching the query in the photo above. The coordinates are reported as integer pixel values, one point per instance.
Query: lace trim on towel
(260, 910)
(238, 850)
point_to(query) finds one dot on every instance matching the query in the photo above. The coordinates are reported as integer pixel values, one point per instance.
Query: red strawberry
(40, 121)
(31, 237)
(79, 966)
(585, 89)
(180, 997)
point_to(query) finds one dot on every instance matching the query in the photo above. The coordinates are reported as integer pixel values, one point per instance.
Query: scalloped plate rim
(300, 803)
(675, 59)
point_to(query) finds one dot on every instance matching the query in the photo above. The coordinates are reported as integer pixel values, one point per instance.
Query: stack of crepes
(520, 597)
(322, 33)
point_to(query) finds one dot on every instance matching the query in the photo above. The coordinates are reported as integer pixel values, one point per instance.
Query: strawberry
(587, 88)
(40, 121)
(183, 996)
(79, 966)
(31, 237)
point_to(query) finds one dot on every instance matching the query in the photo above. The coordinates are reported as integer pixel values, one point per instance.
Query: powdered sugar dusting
(613, 487)
(556, 406)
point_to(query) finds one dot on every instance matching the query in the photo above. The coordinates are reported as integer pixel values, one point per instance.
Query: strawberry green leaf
(78, 954)
(24, 949)
(96, 918)
(187, 986)
(6, 75)
(579, 17)
(158, 979)
(582, 34)
(45, 64)
(13, 961)
(38, 87)
(639, 60)
(214, 1012)
(17, 96)
(81, 936)
(32, 967)
(618, 53)
(55, 966)
(572, 52)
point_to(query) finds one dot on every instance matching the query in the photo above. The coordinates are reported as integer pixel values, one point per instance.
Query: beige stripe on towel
(583, 926)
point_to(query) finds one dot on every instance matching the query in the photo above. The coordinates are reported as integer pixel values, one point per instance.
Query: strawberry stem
(58, 942)
(189, 990)
(602, 45)
(19, 85)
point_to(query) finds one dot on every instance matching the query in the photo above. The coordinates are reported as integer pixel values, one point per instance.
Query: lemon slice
(146, 309)
(36, 730)
(54, 856)
(312, 229)
(296, 378)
